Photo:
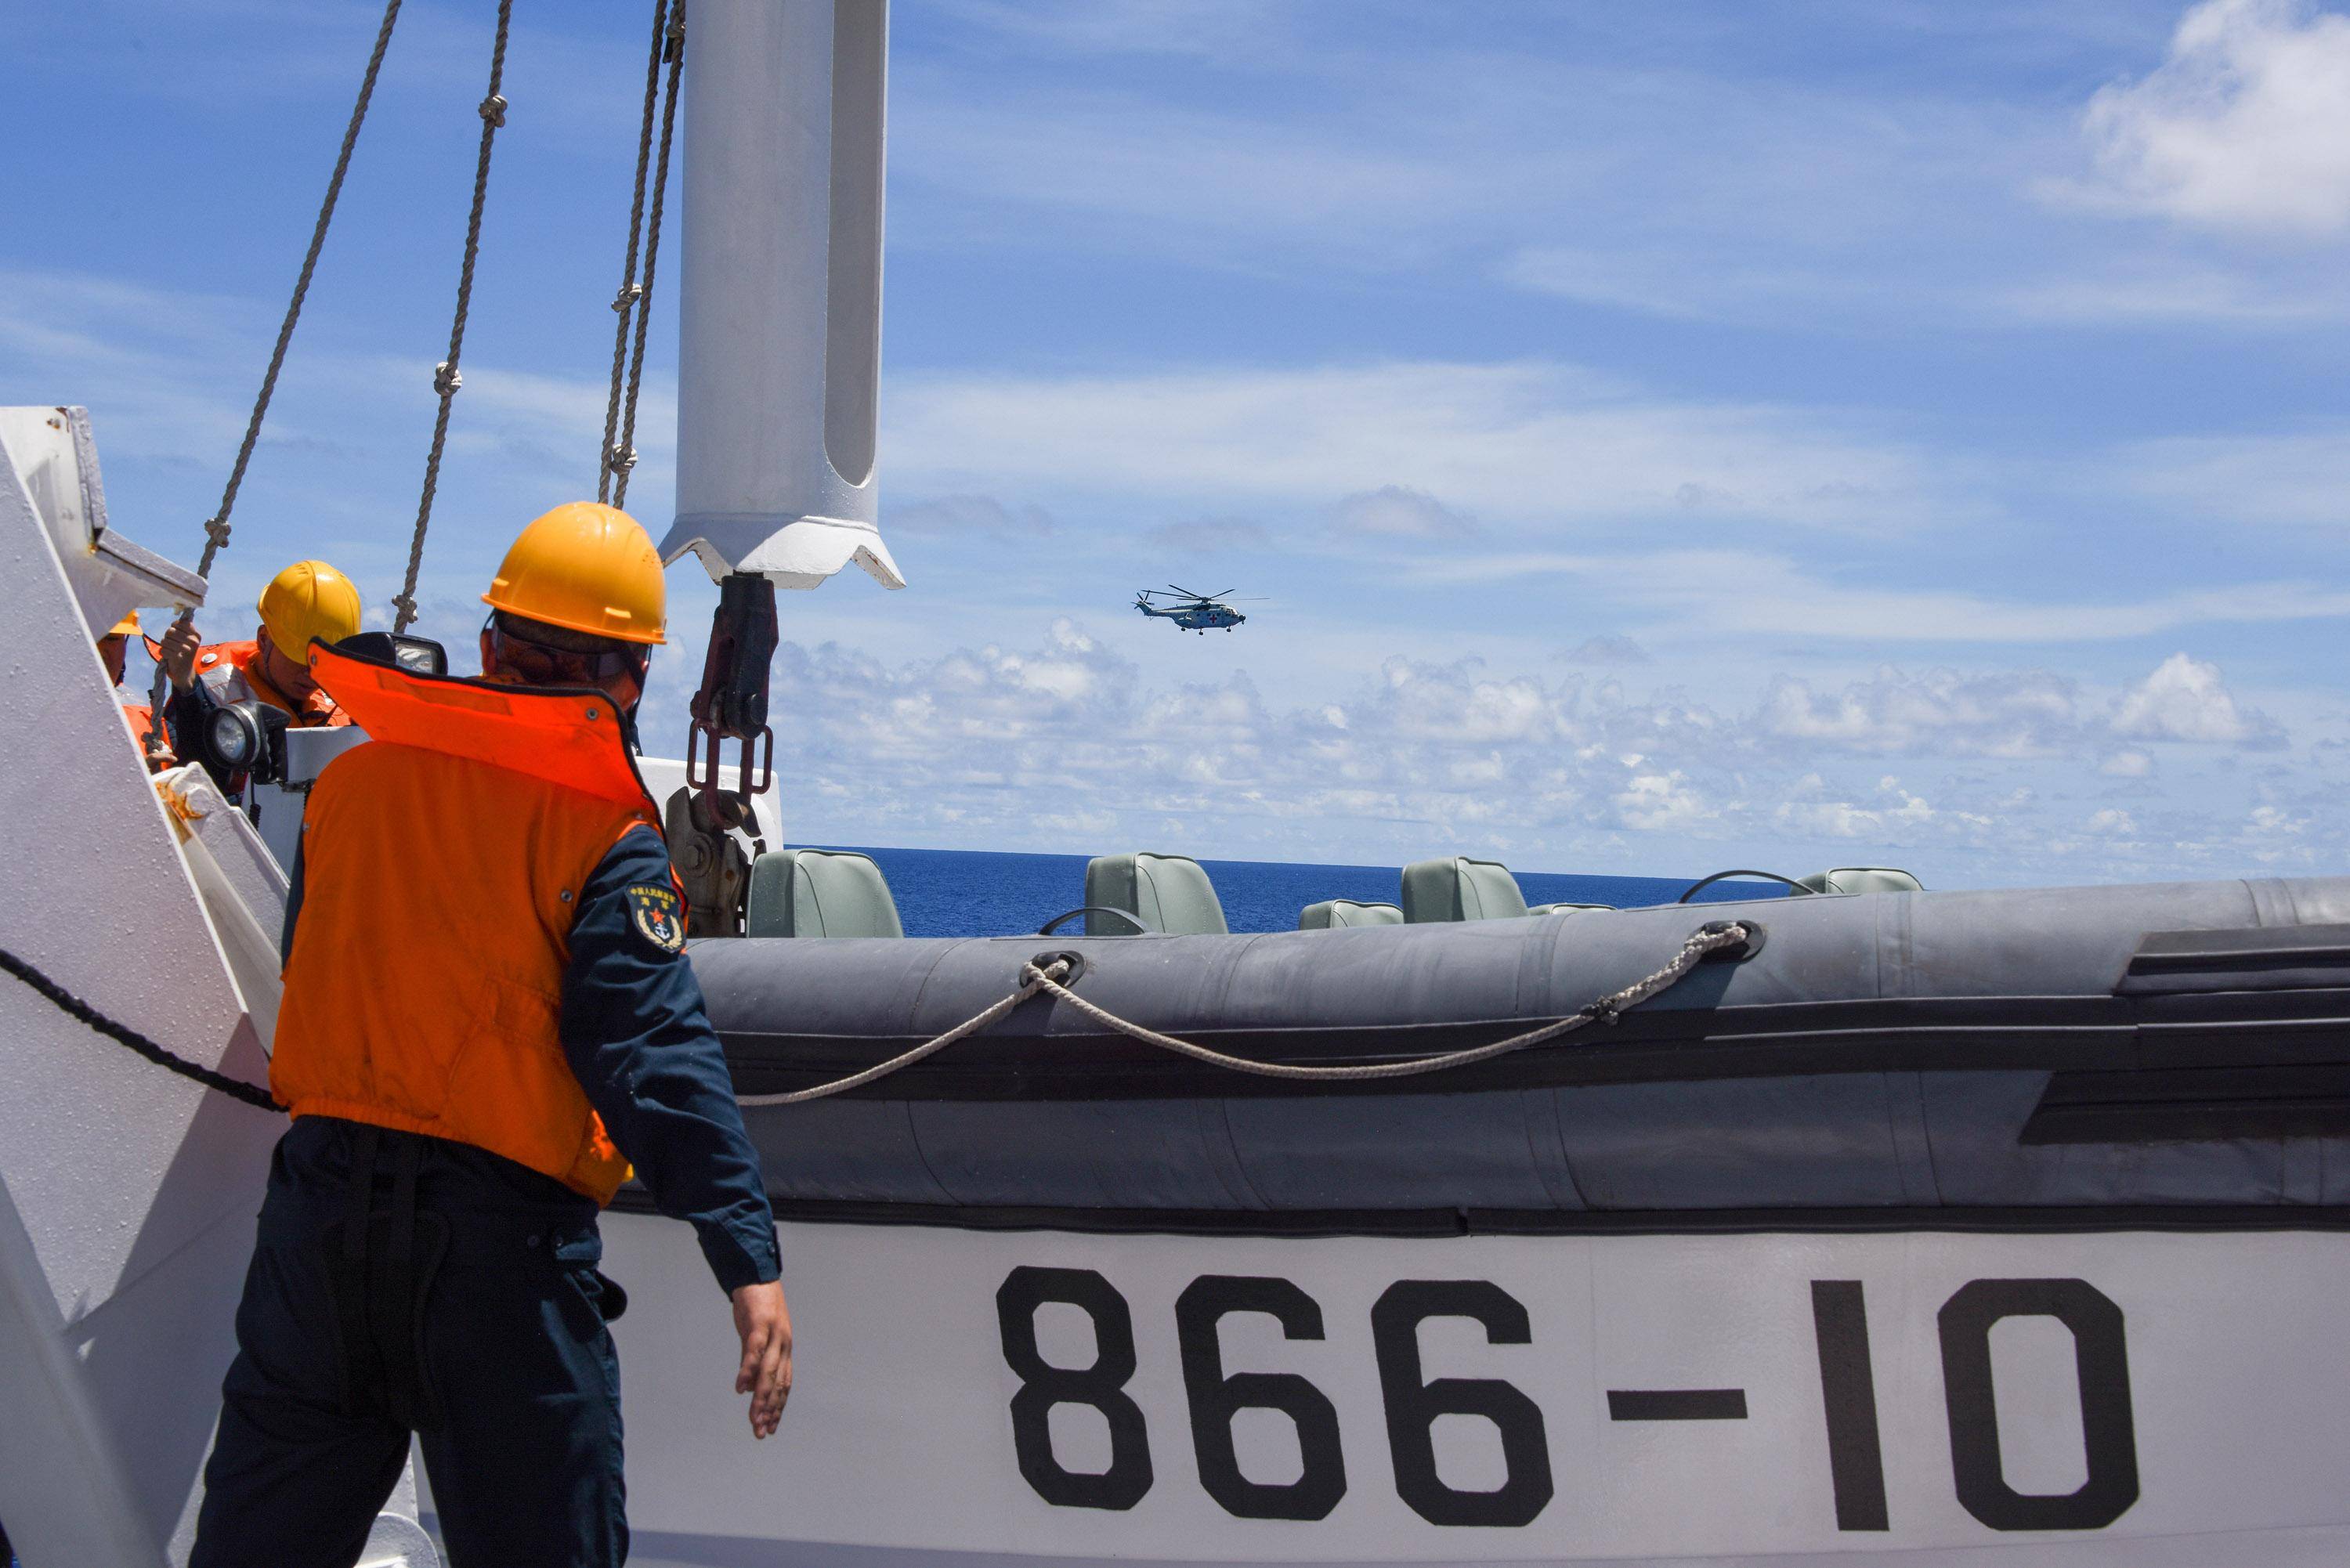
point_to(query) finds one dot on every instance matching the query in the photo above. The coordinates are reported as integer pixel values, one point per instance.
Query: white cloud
(2185, 700)
(143, 359)
(1506, 440)
(2014, 715)
(1692, 188)
(1661, 802)
(1895, 817)
(1657, 283)
(1718, 276)
(1627, 159)
(1062, 743)
(967, 514)
(2277, 836)
(1128, 27)
(2277, 820)
(1214, 184)
(542, 428)
(1398, 512)
(1609, 650)
(1210, 536)
(2244, 127)
(2299, 477)
(2024, 713)
(973, 744)
(1732, 591)
(168, 376)
(2150, 291)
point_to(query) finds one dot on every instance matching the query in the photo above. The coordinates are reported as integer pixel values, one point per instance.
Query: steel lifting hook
(732, 702)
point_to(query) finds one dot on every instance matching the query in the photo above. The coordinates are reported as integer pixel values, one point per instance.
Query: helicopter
(1192, 612)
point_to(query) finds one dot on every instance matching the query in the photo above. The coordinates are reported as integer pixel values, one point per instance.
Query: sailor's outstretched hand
(765, 1325)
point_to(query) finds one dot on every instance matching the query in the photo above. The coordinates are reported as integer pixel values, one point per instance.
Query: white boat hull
(2196, 1411)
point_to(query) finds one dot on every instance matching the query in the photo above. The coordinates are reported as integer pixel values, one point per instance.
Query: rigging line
(216, 528)
(1718, 936)
(1053, 978)
(446, 378)
(626, 455)
(624, 303)
(73, 1006)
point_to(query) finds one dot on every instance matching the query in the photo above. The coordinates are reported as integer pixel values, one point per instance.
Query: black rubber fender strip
(2019, 1219)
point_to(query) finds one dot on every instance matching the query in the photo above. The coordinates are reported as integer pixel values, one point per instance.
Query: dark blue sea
(968, 893)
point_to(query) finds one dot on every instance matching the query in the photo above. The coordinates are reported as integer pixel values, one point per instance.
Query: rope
(66, 1001)
(216, 528)
(1032, 981)
(446, 378)
(624, 303)
(1048, 979)
(624, 455)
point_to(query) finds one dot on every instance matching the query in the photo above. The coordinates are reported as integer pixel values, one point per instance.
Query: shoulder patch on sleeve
(654, 910)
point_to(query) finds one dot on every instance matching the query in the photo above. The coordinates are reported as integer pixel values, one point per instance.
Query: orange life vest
(231, 670)
(137, 714)
(442, 864)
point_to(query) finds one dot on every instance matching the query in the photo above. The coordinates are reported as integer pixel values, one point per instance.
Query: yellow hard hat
(588, 567)
(309, 599)
(125, 626)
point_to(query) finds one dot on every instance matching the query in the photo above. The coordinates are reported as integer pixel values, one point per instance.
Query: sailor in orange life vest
(308, 600)
(488, 1016)
(114, 653)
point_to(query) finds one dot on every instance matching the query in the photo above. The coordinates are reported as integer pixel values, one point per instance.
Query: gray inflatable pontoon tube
(2181, 1051)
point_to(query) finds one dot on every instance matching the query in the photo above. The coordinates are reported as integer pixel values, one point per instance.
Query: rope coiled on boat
(1050, 979)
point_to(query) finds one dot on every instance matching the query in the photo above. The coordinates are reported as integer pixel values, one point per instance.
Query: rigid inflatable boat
(1903, 1227)
(1926, 1225)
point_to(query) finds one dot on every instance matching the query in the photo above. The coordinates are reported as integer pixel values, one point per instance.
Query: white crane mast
(780, 346)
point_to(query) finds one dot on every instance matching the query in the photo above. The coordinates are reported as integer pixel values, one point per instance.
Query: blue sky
(1669, 436)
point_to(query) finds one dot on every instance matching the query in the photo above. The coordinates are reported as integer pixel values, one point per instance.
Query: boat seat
(1455, 887)
(819, 893)
(1862, 880)
(1332, 914)
(1168, 893)
(1553, 908)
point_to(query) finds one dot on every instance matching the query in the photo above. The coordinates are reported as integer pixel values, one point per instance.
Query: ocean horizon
(984, 892)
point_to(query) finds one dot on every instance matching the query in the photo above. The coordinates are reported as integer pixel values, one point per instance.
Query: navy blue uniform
(514, 1382)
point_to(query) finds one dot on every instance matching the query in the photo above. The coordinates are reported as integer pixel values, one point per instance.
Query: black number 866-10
(1412, 1402)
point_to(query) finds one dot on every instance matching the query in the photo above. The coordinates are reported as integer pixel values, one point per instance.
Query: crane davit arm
(779, 353)
(779, 361)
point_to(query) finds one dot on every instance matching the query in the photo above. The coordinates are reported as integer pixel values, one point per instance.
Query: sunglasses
(535, 664)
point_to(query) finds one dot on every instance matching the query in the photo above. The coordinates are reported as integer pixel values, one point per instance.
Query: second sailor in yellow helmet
(309, 599)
